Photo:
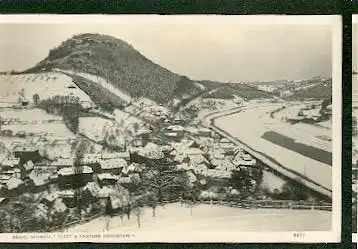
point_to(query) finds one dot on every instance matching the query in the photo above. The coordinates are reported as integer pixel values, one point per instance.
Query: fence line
(273, 204)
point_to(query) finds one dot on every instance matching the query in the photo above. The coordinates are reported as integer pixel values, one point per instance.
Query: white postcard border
(236, 237)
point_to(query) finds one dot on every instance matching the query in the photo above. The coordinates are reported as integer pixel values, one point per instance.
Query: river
(250, 125)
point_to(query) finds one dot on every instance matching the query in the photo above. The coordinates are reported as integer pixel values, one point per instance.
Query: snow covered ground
(173, 218)
(271, 181)
(35, 121)
(249, 125)
(46, 85)
(104, 83)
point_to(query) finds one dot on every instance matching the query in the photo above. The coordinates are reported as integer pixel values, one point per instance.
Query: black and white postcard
(154, 128)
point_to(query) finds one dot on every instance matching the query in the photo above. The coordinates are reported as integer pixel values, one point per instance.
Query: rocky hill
(120, 64)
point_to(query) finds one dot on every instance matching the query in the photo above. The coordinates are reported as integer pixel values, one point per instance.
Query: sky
(227, 52)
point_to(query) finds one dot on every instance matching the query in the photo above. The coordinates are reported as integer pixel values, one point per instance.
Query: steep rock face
(120, 64)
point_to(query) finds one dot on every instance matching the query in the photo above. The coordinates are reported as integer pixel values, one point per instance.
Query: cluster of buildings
(57, 180)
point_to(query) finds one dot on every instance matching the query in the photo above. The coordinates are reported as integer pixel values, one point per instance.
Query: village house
(148, 153)
(74, 177)
(124, 155)
(137, 143)
(132, 168)
(68, 197)
(4, 179)
(39, 183)
(9, 163)
(181, 158)
(113, 166)
(179, 121)
(28, 166)
(15, 186)
(107, 179)
(27, 153)
(92, 160)
(244, 159)
(63, 163)
(204, 132)
(200, 169)
(227, 146)
(49, 198)
(93, 193)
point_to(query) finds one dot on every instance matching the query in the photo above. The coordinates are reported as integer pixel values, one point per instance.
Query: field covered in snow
(174, 218)
(34, 121)
(46, 85)
(43, 131)
(249, 126)
(103, 83)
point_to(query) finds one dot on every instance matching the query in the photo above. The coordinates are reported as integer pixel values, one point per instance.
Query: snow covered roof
(24, 149)
(10, 162)
(51, 197)
(13, 183)
(183, 166)
(119, 198)
(58, 206)
(71, 171)
(225, 140)
(107, 176)
(193, 151)
(175, 128)
(125, 179)
(197, 159)
(204, 130)
(66, 193)
(179, 158)
(151, 151)
(192, 177)
(40, 181)
(217, 173)
(124, 154)
(113, 163)
(63, 162)
(97, 191)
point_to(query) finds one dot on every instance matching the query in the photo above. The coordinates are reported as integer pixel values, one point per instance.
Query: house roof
(113, 163)
(66, 193)
(179, 158)
(51, 197)
(175, 128)
(197, 159)
(97, 191)
(124, 154)
(91, 158)
(24, 149)
(71, 171)
(107, 176)
(151, 151)
(13, 183)
(193, 151)
(125, 179)
(119, 198)
(225, 140)
(10, 162)
(63, 162)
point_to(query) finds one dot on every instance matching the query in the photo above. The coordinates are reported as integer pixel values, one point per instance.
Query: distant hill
(230, 90)
(321, 90)
(120, 64)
